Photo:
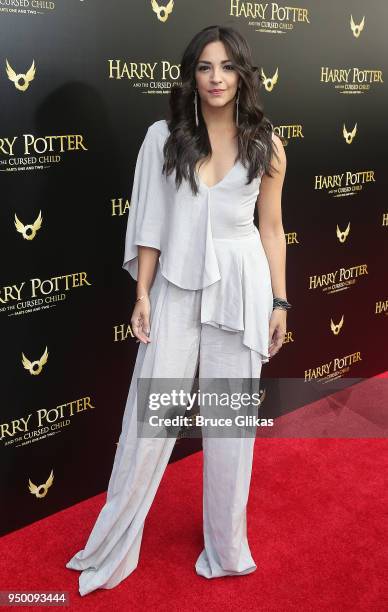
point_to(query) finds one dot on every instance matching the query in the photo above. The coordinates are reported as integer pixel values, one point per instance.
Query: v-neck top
(207, 241)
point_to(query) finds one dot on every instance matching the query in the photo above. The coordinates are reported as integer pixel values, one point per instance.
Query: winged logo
(21, 81)
(349, 135)
(357, 29)
(336, 328)
(268, 82)
(162, 12)
(29, 231)
(343, 235)
(35, 367)
(41, 490)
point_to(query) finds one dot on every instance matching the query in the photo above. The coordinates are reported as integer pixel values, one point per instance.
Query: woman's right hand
(140, 320)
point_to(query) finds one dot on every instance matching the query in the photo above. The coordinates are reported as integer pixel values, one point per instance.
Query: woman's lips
(216, 91)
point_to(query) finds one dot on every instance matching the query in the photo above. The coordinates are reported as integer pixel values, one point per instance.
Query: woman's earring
(196, 108)
(237, 101)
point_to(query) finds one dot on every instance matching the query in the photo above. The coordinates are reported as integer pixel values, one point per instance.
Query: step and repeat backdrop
(80, 83)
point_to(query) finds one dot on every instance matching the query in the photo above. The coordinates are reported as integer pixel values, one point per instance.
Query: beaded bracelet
(280, 303)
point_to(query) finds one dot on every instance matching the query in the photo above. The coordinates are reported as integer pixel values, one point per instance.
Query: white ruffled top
(206, 242)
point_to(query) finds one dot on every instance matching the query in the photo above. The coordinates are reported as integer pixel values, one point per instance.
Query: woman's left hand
(277, 330)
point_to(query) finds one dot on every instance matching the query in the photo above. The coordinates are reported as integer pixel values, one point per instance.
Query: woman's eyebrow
(206, 62)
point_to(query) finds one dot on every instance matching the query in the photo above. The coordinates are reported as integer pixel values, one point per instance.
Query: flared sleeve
(147, 214)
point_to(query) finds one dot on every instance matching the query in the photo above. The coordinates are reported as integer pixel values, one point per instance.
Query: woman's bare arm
(147, 261)
(140, 319)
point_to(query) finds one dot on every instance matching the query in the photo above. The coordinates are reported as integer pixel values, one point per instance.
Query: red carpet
(317, 527)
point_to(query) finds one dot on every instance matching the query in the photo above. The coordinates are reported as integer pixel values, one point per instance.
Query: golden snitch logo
(29, 231)
(41, 490)
(349, 135)
(35, 367)
(269, 83)
(21, 81)
(336, 328)
(357, 29)
(343, 235)
(162, 12)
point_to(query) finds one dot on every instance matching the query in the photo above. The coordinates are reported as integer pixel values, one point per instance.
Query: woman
(208, 281)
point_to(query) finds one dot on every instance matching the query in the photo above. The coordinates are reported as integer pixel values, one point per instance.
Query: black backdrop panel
(69, 139)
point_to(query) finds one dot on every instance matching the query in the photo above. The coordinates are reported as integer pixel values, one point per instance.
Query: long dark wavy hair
(187, 143)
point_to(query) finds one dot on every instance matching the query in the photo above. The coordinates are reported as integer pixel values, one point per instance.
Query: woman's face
(215, 71)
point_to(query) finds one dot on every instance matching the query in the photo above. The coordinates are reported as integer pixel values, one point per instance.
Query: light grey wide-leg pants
(178, 339)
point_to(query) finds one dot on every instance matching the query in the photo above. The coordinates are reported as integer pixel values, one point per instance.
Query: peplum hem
(242, 299)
